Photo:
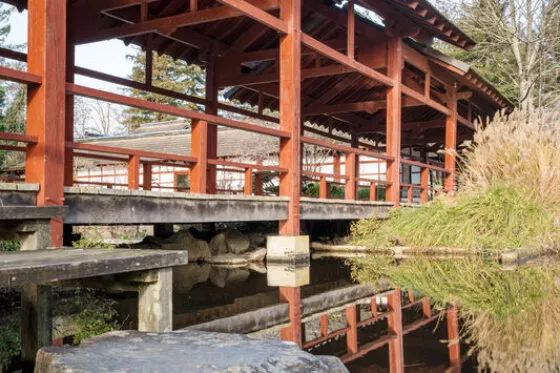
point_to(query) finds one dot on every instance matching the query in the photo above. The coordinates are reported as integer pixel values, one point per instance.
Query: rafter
(174, 22)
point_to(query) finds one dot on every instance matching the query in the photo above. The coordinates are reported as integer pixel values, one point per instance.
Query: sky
(107, 57)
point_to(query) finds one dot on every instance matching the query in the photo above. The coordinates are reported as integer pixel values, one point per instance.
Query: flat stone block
(287, 248)
(182, 351)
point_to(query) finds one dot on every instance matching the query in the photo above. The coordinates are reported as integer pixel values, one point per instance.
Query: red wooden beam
(292, 295)
(351, 30)
(199, 149)
(453, 338)
(451, 141)
(393, 121)
(140, 153)
(396, 350)
(172, 110)
(9, 136)
(258, 14)
(19, 76)
(248, 187)
(290, 113)
(45, 120)
(134, 172)
(352, 334)
(176, 21)
(328, 52)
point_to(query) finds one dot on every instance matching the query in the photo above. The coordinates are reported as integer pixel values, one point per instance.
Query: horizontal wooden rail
(381, 341)
(13, 148)
(323, 174)
(319, 340)
(13, 55)
(424, 165)
(17, 76)
(171, 110)
(366, 180)
(139, 153)
(219, 162)
(414, 186)
(345, 149)
(9, 136)
(166, 92)
(419, 323)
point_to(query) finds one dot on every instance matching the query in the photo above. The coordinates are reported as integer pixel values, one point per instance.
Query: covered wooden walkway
(317, 74)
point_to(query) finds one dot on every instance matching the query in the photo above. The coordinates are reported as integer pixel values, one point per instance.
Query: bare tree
(530, 30)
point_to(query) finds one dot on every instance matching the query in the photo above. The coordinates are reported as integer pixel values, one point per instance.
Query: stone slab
(182, 351)
(31, 212)
(51, 265)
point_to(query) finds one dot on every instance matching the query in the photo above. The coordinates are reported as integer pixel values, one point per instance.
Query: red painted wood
(248, 187)
(394, 113)
(293, 332)
(352, 334)
(453, 337)
(290, 113)
(451, 141)
(424, 180)
(134, 172)
(147, 175)
(19, 76)
(47, 59)
(396, 350)
(199, 144)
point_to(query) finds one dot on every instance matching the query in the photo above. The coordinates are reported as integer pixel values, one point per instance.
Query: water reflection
(510, 316)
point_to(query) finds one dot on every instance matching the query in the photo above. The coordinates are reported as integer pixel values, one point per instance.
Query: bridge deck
(116, 206)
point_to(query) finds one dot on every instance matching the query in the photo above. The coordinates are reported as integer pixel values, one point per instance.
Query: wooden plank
(10, 136)
(424, 100)
(45, 266)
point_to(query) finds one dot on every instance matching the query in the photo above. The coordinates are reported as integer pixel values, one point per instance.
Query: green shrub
(9, 245)
(496, 218)
(10, 341)
(85, 243)
(97, 316)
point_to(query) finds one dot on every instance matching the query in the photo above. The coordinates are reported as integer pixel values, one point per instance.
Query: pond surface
(205, 293)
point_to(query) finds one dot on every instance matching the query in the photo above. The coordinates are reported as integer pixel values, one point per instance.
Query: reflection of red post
(396, 351)
(453, 337)
(293, 332)
(352, 334)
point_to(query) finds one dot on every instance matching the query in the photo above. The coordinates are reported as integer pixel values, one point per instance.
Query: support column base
(287, 249)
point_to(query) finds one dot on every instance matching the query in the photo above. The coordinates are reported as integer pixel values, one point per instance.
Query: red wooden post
(451, 141)
(211, 129)
(258, 184)
(394, 99)
(147, 171)
(426, 308)
(323, 193)
(336, 165)
(374, 307)
(199, 146)
(424, 181)
(69, 118)
(350, 187)
(293, 332)
(352, 333)
(409, 195)
(396, 350)
(47, 58)
(351, 28)
(453, 337)
(372, 191)
(324, 325)
(427, 84)
(290, 113)
(248, 189)
(134, 172)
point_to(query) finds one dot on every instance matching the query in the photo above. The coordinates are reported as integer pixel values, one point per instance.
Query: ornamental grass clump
(511, 319)
(508, 195)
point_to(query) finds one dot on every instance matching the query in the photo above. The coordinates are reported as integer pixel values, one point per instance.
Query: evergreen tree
(174, 75)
